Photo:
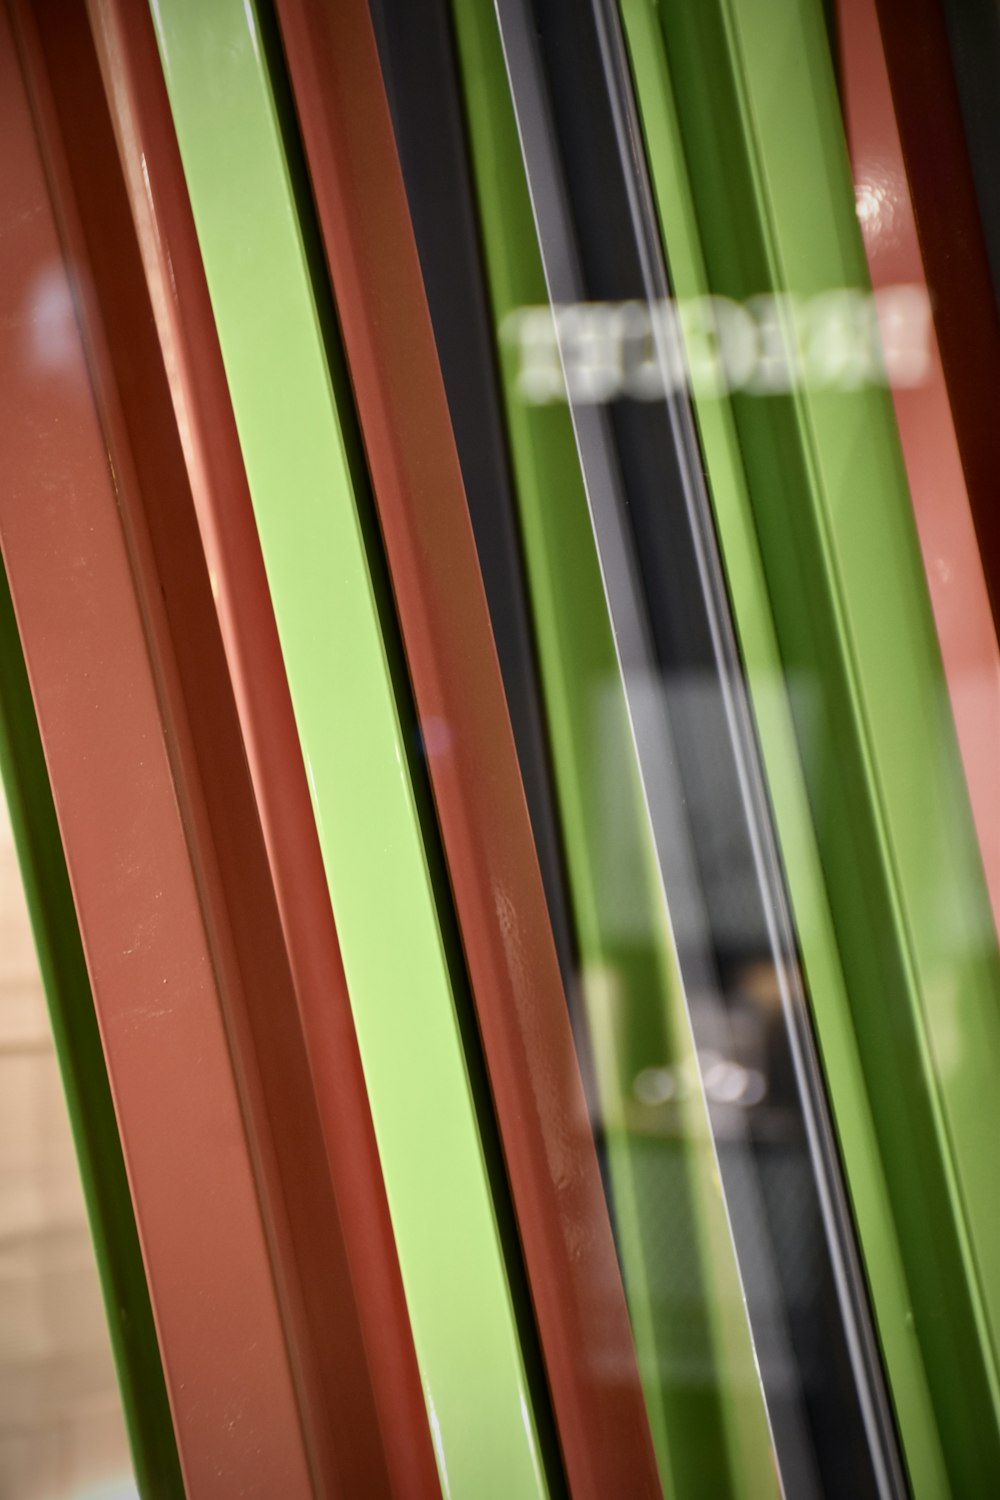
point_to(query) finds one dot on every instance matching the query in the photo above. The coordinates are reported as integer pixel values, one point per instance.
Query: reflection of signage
(837, 340)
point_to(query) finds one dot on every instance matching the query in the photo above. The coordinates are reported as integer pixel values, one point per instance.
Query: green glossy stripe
(84, 1076)
(702, 1392)
(295, 425)
(754, 195)
(762, 662)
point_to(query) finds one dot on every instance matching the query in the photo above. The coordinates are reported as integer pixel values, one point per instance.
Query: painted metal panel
(928, 433)
(371, 1417)
(278, 340)
(521, 1008)
(964, 299)
(85, 1081)
(106, 685)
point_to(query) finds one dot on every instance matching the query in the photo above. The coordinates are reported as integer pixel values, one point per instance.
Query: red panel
(226, 1024)
(162, 214)
(523, 1018)
(928, 416)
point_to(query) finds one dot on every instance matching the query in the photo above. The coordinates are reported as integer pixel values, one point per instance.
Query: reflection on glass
(748, 469)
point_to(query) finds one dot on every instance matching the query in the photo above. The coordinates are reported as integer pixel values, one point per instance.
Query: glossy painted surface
(939, 488)
(709, 1426)
(367, 1411)
(830, 514)
(308, 489)
(524, 1022)
(91, 612)
(84, 1075)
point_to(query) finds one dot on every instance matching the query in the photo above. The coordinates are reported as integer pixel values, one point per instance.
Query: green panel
(295, 426)
(701, 1385)
(84, 1076)
(746, 147)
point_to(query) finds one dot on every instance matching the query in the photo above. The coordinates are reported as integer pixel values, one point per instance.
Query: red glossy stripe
(545, 1132)
(88, 639)
(249, 1230)
(927, 429)
(162, 214)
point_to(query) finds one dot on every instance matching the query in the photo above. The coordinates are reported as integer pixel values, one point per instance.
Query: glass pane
(714, 290)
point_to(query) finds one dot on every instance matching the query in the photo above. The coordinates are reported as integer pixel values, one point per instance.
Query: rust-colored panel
(229, 1149)
(954, 254)
(549, 1152)
(162, 214)
(927, 431)
(147, 947)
